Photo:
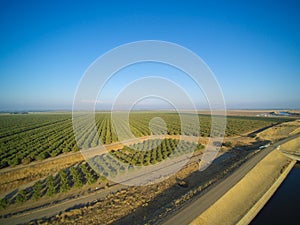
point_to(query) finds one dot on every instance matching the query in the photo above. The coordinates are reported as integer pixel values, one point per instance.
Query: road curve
(189, 212)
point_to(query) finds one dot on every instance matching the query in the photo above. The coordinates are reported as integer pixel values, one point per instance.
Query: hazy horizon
(149, 110)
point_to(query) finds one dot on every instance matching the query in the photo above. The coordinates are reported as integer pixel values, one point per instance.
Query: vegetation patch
(31, 137)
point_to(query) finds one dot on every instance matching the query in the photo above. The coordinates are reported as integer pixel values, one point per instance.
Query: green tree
(88, 176)
(21, 197)
(64, 185)
(37, 190)
(75, 177)
(3, 203)
(228, 144)
(50, 186)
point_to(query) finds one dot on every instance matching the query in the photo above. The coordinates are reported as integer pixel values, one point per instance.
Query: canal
(284, 205)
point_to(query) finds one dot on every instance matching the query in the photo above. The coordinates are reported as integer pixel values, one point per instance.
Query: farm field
(109, 164)
(36, 137)
(31, 137)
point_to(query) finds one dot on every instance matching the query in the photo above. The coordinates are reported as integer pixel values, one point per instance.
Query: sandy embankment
(280, 131)
(242, 202)
(291, 146)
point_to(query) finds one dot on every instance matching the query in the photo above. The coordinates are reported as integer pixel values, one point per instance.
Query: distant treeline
(18, 113)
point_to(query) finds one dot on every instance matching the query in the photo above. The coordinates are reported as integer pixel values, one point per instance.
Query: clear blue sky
(253, 47)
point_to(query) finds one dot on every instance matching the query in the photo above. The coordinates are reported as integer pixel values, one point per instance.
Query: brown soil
(245, 193)
(280, 131)
(14, 177)
(291, 146)
(245, 112)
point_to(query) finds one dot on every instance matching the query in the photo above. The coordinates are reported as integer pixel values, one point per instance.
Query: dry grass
(292, 146)
(11, 178)
(146, 204)
(240, 112)
(280, 131)
(245, 193)
(119, 204)
(14, 177)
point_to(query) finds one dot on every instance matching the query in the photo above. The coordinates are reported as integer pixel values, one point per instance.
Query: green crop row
(26, 138)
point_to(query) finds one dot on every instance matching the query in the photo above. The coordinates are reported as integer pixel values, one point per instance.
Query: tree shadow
(191, 187)
(254, 133)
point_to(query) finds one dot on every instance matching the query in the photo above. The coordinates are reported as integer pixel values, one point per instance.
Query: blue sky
(253, 47)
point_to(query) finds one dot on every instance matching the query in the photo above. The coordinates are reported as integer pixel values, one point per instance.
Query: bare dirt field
(239, 112)
(249, 112)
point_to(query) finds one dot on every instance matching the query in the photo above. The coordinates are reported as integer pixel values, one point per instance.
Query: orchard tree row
(63, 181)
(26, 138)
(148, 152)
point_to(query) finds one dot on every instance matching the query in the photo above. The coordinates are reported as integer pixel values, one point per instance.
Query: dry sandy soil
(245, 193)
(291, 146)
(280, 131)
(11, 178)
(248, 112)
